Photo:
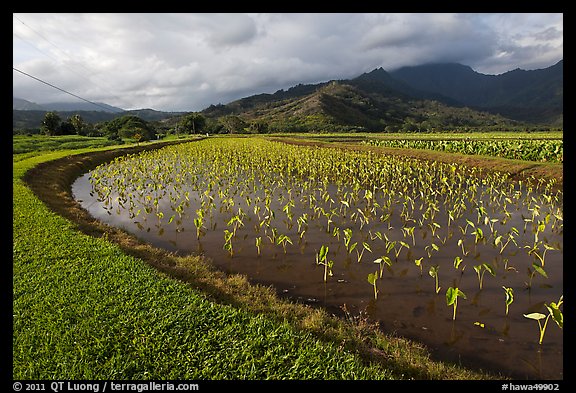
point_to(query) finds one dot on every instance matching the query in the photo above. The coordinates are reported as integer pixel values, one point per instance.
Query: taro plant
(457, 262)
(372, 278)
(537, 269)
(452, 295)
(461, 244)
(383, 261)
(498, 241)
(283, 239)
(433, 272)
(322, 254)
(236, 222)
(478, 234)
(258, 244)
(481, 270)
(418, 262)
(360, 253)
(402, 244)
(431, 247)
(228, 242)
(302, 222)
(554, 312)
(409, 231)
(327, 269)
(273, 237)
(347, 240)
(434, 226)
(509, 293)
(199, 223)
(535, 251)
(322, 259)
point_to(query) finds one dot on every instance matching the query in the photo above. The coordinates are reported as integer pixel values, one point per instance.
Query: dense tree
(51, 124)
(127, 127)
(192, 123)
(259, 127)
(78, 124)
(233, 124)
(67, 128)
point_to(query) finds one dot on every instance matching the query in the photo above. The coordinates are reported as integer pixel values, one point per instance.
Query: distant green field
(490, 135)
(31, 145)
(540, 150)
(27, 144)
(542, 146)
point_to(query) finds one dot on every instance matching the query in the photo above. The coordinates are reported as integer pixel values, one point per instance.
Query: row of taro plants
(540, 150)
(387, 213)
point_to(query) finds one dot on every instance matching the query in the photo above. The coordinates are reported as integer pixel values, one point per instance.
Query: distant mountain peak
(375, 73)
(527, 95)
(25, 105)
(21, 104)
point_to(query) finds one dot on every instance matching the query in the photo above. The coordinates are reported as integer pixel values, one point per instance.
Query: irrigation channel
(388, 238)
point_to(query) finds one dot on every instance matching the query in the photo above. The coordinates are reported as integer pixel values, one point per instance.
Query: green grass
(84, 308)
(36, 143)
(488, 135)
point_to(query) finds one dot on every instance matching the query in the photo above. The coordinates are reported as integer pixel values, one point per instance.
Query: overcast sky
(186, 62)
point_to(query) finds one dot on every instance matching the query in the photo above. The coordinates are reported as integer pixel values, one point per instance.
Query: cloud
(189, 61)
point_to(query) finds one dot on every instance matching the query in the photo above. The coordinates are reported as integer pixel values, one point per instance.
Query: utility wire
(57, 88)
(63, 53)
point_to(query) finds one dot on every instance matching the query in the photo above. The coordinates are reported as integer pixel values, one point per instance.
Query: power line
(57, 88)
(62, 53)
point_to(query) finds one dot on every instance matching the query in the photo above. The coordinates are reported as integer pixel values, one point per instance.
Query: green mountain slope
(370, 103)
(534, 96)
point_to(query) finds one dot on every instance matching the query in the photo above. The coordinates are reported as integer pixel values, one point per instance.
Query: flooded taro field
(468, 262)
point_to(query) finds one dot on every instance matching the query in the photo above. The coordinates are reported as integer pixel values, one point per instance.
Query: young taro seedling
(283, 239)
(452, 295)
(372, 278)
(199, 222)
(554, 312)
(481, 269)
(359, 253)
(402, 244)
(322, 259)
(383, 261)
(509, 297)
(347, 238)
(228, 242)
(433, 272)
(457, 263)
(535, 250)
(409, 231)
(510, 237)
(537, 269)
(258, 244)
(418, 263)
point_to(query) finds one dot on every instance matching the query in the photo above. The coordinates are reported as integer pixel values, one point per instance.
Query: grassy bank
(91, 302)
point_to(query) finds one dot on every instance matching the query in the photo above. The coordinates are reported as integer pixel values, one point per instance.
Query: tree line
(134, 128)
(124, 127)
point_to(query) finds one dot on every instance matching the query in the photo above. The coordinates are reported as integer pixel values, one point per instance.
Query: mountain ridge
(538, 93)
(379, 99)
(429, 96)
(22, 104)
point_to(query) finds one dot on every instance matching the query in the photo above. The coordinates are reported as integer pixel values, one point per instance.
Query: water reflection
(407, 304)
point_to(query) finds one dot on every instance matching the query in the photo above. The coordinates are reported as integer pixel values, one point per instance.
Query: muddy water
(407, 304)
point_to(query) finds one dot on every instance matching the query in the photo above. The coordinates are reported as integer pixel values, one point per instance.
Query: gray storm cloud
(189, 61)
